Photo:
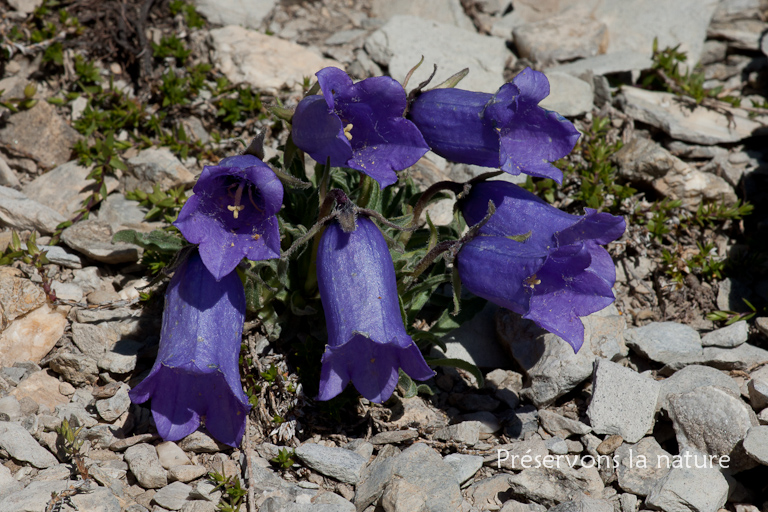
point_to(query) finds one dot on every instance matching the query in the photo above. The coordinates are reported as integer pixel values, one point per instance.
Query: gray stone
(65, 188)
(488, 493)
(361, 447)
(644, 161)
(121, 213)
(714, 422)
(488, 422)
(144, 464)
(690, 489)
(112, 408)
(569, 96)
(743, 357)
(556, 445)
(374, 478)
(75, 368)
(510, 456)
(61, 256)
(550, 363)
(730, 336)
(607, 64)
(98, 500)
(76, 414)
(200, 442)
(19, 212)
(560, 39)
(171, 455)
(550, 486)
(246, 13)
(186, 473)
(623, 402)
(584, 504)
(67, 291)
(664, 342)
(744, 34)
(21, 446)
(756, 444)
(628, 502)
(199, 506)
(158, 166)
(41, 133)
(173, 496)
(424, 469)
(464, 466)
(7, 176)
(731, 294)
(444, 11)
(516, 506)
(506, 385)
(466, 432)
(691, 378)
(698, 125)
(8, 484)
(33, 498)
(561, 426)
(10, 409)
(267, 63)
(94, 239)
(758, 388)
(475, 341)
(338, 463)
(634, 24)
(401, 42)
(641, 465)
(121, 358)
(394, 436)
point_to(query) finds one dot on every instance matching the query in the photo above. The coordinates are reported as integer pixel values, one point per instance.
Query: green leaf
(460, 363)
(157, 240)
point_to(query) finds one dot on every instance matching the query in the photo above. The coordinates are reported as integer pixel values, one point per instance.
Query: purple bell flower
(196, 372)
(232, 214)
(367, 342)
(506, 130)
(358, 125)
(559, 274)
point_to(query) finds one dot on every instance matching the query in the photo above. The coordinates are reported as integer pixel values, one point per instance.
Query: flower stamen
(532, 281)
(348, 131)
(237, 207)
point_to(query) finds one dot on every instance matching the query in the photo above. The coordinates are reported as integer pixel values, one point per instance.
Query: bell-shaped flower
(506, 130)
(232, 214)
(367, 342)
(358, 125)
(196, 373)
(557, 275)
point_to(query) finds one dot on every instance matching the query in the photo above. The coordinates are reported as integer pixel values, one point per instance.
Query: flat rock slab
(19, 212)
(550, 486)
(246, 13)
(691, 378)
(568, 95)
(66, 187)
(145, 465)
(712, 421)
(727, 337)
(607, 64)
(560, 39)
(94, 239)
(339, 463)
(21, 446)
(41, 133)
(401, 43)
(756, 444)
(158, 166)
(642, 465)
(265, 62)
(31, 337)
(475, 341)
(664, 342)
(699, 125)
(444, 11)
(424, 469)
(35, 496)
(18, 296)
(688, 489)
(623, 402)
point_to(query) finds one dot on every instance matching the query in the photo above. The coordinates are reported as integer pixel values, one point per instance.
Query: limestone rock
(94, 239)
(19, 212)
(246, 13)
(31, 337)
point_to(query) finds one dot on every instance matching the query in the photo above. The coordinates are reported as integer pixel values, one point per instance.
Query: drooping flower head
(232, 214)
(559, 274)
(358, 125)
(196, 372)
(506, 130)
(367, 342)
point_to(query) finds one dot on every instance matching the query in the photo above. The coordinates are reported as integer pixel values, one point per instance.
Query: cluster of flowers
(526, 255)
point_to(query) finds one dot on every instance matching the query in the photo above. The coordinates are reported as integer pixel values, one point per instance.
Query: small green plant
(284, 458)
(165, 205)
(25, 103)
(193, 19)
(661, 213)
(171, 46)
(233, 492)
(271, 374)
(715, 213)
(730, 317)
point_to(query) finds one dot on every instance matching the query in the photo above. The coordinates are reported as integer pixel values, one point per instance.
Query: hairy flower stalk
(367, 342)
(358, 125)
(196, 374)
(232, 214)
(559, 274)
(505, 130)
